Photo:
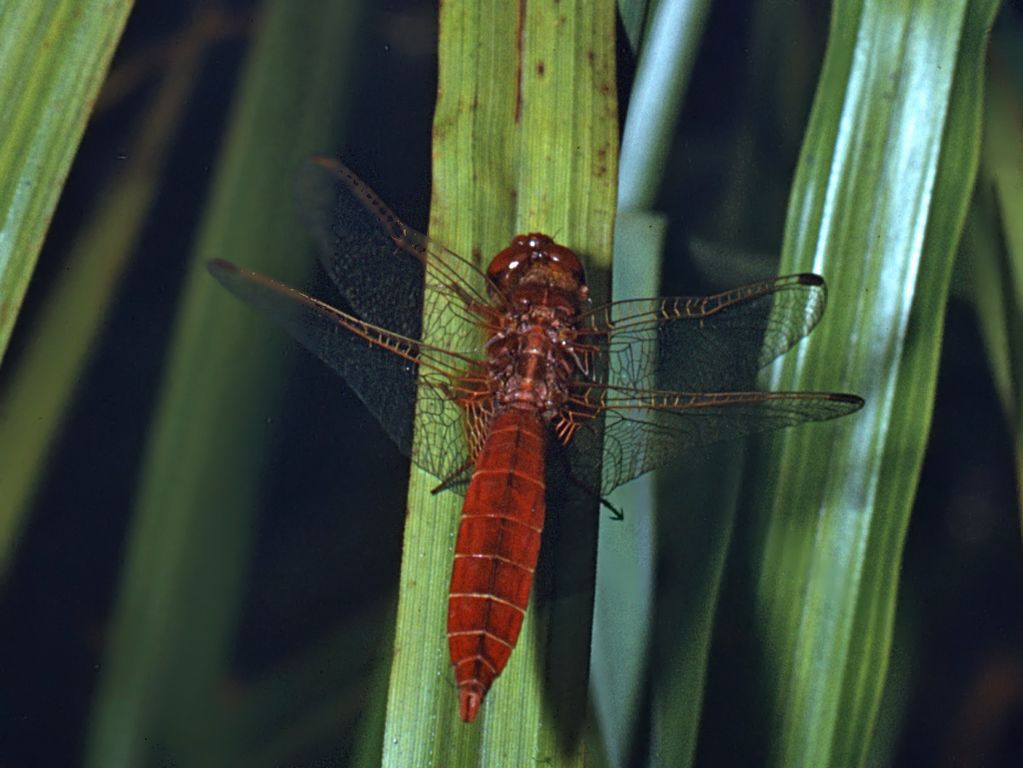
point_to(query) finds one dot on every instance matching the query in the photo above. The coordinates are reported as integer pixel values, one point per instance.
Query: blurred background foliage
(288, 658)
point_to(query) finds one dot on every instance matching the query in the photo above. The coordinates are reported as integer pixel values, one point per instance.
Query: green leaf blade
(525, 140)
(47, 100)
(877, 207)
(189, 541)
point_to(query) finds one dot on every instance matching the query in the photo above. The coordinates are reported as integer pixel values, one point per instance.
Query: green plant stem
(525, 140)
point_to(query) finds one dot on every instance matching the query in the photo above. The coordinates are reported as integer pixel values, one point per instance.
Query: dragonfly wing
(646, 430)
(384, 269)
(706, 343)
(380, 366)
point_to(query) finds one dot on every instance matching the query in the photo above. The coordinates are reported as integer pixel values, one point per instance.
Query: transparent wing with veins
(703, 343)
(645, 429)
(688, 367)
(383, 368)
(386, 270)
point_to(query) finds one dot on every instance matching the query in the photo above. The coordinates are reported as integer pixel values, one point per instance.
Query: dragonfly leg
(616, 514)
(586, 488)
(456, 477)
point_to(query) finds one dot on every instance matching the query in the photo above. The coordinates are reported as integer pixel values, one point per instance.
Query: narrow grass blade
(306, 700)
(53, 58)
(188, 545)
(626, 552)
(633, 15)
(670, 44)
(993, 247)
(621, 663)
(33, 405)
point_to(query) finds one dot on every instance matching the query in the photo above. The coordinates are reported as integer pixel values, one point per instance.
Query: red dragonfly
(524, 371)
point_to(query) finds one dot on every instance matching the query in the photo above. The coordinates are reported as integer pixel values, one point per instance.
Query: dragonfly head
(535, 259)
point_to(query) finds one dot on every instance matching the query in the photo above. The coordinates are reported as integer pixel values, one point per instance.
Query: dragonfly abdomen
(496, 553)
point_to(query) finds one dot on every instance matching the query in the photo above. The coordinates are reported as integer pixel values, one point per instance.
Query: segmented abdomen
(495, 555)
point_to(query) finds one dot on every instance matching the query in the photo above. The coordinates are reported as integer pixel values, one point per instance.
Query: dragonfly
(522, 374)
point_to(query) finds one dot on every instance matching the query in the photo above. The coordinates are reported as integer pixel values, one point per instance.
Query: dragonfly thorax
(531, 360)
